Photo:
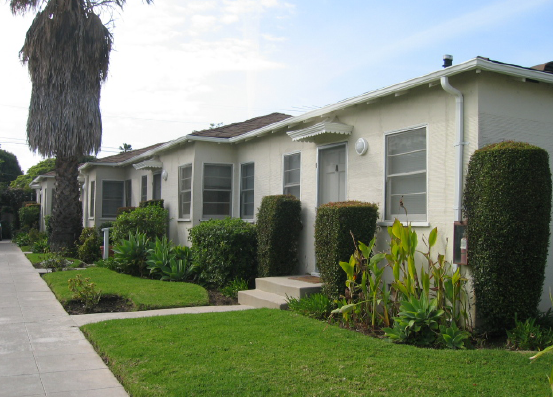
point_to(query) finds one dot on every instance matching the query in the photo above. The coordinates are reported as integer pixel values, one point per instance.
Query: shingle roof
(117, 158)
(544, 67)
(235, 129)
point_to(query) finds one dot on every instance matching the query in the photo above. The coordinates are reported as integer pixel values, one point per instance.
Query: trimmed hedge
(333, 241)
(507, 203)
(278, 231)
(224, 249)
(29, 216)
(151, 220)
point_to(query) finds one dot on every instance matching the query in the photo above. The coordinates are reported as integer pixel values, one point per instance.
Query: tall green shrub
(224, 249)
(88, 248)
(29, 216)
(278, 231)
(333, 242)
(151, 220)
(507, 203)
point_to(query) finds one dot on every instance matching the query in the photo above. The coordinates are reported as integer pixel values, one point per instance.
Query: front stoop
(271, 292)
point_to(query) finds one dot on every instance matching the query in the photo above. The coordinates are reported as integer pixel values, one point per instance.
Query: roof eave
(472, 64)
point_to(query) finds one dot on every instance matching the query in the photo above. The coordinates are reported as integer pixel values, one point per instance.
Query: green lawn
(276, 353)
(37, 258)
(145, 294)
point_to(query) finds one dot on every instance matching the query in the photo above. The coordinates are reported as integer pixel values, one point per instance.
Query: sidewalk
(42, 350)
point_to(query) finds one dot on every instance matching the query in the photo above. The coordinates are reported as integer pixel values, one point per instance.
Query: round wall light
(164, 175)
(361, 146)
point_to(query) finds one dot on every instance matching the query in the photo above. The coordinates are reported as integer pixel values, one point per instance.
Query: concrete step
(287, 286)
(259, 298)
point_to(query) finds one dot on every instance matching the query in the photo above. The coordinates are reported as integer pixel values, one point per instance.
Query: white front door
(332, 174)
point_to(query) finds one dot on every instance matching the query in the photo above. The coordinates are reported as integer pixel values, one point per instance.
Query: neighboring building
(43, 186)
(411, 140)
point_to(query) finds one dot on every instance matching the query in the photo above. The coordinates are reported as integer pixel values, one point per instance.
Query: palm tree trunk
(66, 218)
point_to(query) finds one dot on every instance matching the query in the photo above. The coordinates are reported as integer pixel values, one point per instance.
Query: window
(185, 191)
(292, 168)
(92, 198)
(128, 192)
(144, 188)
(217, 192)
(156, 195)
(246, 191)
(113, 193)
(406, 175)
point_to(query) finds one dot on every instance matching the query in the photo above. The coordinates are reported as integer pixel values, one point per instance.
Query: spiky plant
(67, 50)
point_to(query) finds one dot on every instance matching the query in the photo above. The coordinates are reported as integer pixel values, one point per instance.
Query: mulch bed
(114, 303)
(107, 304)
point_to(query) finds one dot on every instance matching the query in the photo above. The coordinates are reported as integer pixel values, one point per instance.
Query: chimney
(448, 60)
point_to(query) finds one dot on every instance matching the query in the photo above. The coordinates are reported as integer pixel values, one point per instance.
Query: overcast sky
(179, 65)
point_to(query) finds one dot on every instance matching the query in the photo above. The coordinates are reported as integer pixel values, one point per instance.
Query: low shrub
(84, 291)
(224, 249)
(125, 210)
(56, 262)
(278, 232)
(40, 245)
(148, 203)
(88, 249)
(334, 225)
(231, 289)
(150, 220)
(528, 335)
(315, 306)
(21, 239)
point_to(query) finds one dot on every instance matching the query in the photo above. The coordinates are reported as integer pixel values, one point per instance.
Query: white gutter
(460, 131)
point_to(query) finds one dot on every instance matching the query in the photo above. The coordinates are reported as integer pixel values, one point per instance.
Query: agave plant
(417, 322)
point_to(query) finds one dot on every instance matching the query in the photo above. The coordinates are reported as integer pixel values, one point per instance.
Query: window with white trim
(113, 194)
(144, 188)
(185, 191)
(217, 191)
(292, 174)
(406, 175)
(247, 191)
(156, 193)
(128, 192)
(92, 198)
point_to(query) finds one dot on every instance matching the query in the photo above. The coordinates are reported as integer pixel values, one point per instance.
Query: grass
(37, 258)
(277, 353)
(26, 248)
(143, 293)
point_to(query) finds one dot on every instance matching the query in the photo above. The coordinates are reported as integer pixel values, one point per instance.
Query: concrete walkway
(42, 350)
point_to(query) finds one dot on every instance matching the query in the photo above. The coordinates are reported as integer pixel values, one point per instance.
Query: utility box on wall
(460, 243)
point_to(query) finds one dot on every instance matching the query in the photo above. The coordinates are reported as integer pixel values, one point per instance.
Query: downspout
(460, 130)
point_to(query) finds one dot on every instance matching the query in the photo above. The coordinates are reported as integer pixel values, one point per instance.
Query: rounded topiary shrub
(278, 232)
(224, 249)
(334, 225)
(88, 248)
(507, 203)
(150, 220)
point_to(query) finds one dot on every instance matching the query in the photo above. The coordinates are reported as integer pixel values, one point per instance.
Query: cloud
(269, 37)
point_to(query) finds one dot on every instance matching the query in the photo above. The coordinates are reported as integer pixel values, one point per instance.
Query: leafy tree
(67, 50)
(9, 167)
(23, 181)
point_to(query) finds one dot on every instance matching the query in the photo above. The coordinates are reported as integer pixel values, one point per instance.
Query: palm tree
(67, 50)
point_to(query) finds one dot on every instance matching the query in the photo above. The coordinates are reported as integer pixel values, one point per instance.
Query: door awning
(328, 126)
(151, 164)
